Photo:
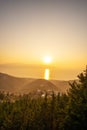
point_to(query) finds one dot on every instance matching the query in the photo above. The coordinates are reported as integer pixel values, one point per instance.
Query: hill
(13, 84)
(62, 86)
(40, 84)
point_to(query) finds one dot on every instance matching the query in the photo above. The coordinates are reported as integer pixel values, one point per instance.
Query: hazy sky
(33, 29)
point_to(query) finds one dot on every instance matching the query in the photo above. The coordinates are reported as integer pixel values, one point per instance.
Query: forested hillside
(57, 112)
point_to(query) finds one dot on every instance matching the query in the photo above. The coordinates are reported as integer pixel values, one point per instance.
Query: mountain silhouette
(40, 84)
(13, 84)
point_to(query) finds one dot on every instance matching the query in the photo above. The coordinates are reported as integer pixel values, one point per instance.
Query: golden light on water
(46, 76)
(47, 60)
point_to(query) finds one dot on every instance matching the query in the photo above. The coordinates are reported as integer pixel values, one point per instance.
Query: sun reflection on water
(46, 76)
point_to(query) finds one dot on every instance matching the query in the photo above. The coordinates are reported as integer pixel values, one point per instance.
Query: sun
(47, 59)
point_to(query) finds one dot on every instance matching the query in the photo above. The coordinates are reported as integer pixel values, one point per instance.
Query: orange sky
(31, 30)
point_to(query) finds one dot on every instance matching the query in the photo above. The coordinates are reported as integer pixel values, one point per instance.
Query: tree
(76, 116)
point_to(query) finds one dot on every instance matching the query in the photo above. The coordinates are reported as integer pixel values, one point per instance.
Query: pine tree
(76, 117)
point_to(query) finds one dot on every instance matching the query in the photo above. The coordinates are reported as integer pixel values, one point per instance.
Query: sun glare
(47, 60)
(46, 74)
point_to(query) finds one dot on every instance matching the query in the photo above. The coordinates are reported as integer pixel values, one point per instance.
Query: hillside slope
(40, 84)
(25, 85)
(11, 83)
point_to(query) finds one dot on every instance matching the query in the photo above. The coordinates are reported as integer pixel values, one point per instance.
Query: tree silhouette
(76, 116)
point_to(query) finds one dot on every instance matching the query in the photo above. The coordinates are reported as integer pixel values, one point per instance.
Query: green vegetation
(58, 112)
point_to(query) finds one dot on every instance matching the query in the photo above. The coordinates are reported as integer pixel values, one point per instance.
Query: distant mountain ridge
(13, 84)
(40, 84)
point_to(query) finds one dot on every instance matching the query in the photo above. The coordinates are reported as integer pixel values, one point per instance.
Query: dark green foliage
(54, 112)
(77, 106)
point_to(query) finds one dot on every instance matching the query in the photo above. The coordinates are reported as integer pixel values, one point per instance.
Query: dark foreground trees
(58, 112)
(76, 112)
